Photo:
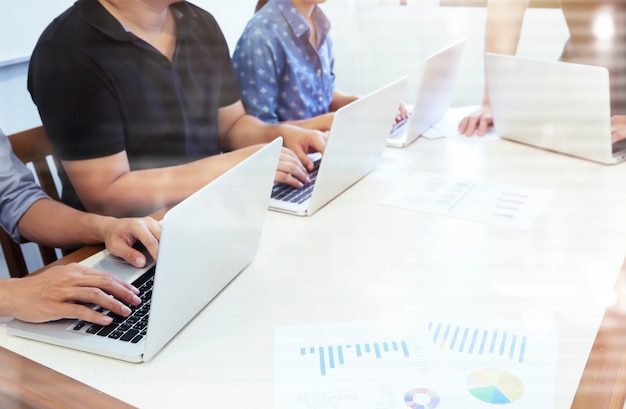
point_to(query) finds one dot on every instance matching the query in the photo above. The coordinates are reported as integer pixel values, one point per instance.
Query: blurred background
(375, 42)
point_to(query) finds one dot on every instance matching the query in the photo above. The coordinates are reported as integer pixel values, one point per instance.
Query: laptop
(356, 141)
(554, 105)
(434, 94)
(206, 241)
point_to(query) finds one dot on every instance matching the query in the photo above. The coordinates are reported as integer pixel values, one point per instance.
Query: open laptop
(206, 241)
(434, 94)
(356, 142)
(554, 105)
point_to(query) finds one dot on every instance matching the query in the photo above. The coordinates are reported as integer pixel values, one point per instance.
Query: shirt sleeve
(257, 67)
(18, 189)
(83, 119)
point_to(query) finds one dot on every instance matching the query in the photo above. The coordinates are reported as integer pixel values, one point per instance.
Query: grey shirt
(18, 189)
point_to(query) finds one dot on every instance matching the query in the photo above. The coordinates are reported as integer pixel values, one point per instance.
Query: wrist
(6, 306)
(100, 226)
(276, 130)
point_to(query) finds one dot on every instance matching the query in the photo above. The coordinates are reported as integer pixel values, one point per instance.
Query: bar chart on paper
(332, 356)
(479, 341)
(421, 364)
(353, 365)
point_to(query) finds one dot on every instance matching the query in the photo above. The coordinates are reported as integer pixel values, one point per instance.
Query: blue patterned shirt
(18, 189)
(281, 74)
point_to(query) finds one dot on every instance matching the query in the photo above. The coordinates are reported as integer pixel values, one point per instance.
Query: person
(260, 4)
(284, 64)
(27, 213)
(142, 107)
(597, 37)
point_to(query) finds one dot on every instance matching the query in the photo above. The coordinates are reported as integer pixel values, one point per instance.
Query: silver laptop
(557, 106)
(206, 241)
(434, 94)
(356, 142)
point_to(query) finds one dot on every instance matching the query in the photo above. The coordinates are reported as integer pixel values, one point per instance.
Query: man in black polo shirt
(142, 106)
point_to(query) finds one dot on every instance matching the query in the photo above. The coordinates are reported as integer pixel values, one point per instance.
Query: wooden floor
(25, 384)
(603, 383)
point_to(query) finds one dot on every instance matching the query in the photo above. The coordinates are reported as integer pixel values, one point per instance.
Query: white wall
(374, 43)
(385, 42)
(17, 111)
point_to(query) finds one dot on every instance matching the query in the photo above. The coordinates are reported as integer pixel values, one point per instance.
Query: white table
(356, 259)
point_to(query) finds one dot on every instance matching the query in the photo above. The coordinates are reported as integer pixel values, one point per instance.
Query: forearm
(139, 193)
(503, 29)
(504, 25)
(320, 122)
(6, 303)
(248, 130)
(54, 224)
(340, 100)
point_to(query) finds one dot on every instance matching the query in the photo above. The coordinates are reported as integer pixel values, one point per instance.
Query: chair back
(31, 146)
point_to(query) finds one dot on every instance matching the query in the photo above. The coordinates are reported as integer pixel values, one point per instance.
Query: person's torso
(305, 77)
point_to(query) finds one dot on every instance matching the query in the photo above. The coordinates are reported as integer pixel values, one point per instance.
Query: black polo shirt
(100, 90)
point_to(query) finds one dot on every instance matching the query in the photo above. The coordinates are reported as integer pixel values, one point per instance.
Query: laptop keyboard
(128, 329)
(287, 193)
(619, 146)
(398, 128)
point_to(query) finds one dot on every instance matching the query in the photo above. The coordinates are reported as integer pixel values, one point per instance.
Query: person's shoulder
(190, 10)
(267, 23)
(204, 23)
(62, 26)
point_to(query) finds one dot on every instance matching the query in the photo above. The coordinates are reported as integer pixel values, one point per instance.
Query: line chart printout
(486, 202)
(419, 365)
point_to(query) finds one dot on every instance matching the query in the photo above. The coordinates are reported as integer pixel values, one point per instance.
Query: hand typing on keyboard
(291, 171)
(62, 291)
(282, 191)
(403, 113)
(130, 327)
(294, 161)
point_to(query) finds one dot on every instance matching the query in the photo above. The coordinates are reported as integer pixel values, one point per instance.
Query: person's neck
(305, 9)
(151, 21)
(139, 16)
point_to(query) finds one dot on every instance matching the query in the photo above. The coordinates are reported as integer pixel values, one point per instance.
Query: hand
(57, 293)
(302, 142)
(121, 235)
(403, 113)
(618, 128)
(290, 170)
(477, 122)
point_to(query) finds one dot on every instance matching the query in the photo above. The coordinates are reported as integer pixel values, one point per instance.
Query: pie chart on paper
(495, 386)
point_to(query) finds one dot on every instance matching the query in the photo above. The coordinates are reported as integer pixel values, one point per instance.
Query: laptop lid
(554, 105)
(434, 92)
(356, 142)
(206, 241)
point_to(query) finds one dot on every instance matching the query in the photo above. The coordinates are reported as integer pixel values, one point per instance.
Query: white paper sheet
(418, 364)
(486, 202)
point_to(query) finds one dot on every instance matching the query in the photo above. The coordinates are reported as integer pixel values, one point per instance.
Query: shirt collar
(95, 14)
(298, 23)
